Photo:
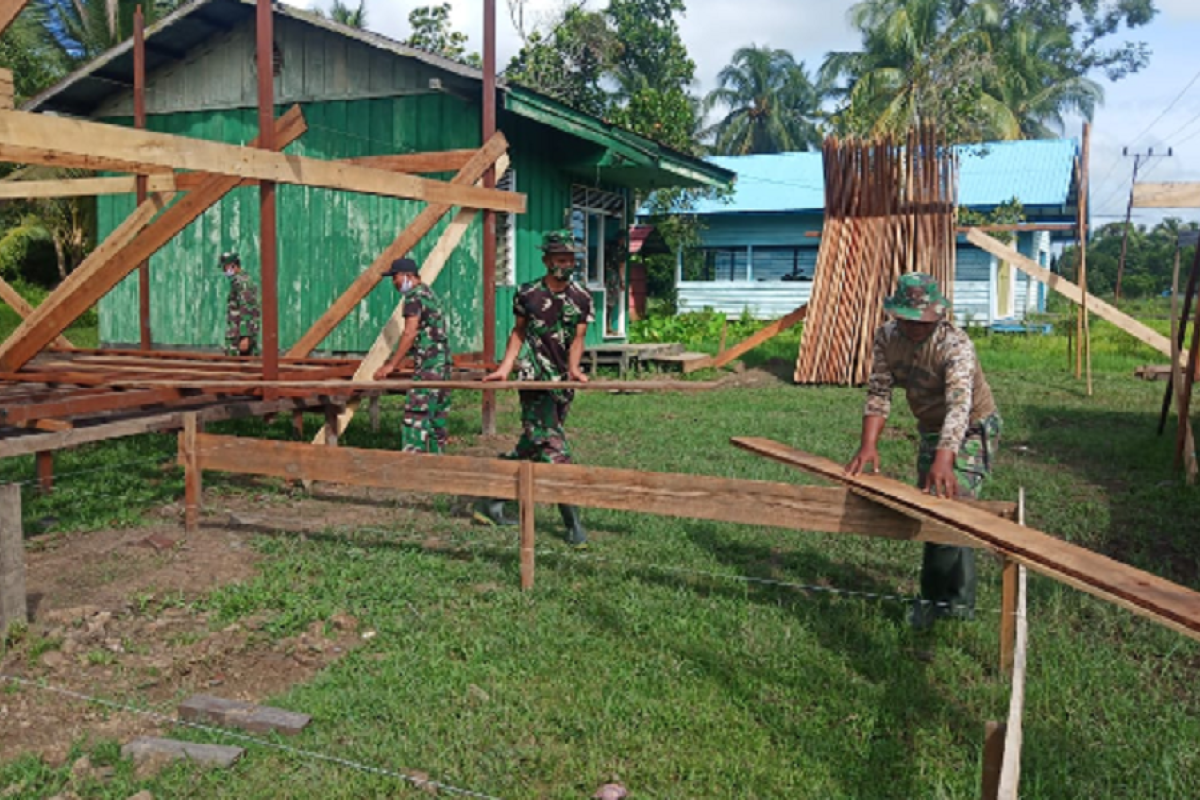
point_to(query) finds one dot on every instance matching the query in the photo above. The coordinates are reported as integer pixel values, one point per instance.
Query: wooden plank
(1072, 292)
(171, 421)
(12, 559)
(342, 387)
(47, 158)
(20, 305)
(7, 94)
(525, 496)
(45, 471)
(759, 503)
(9, 9)
(758, 337)
(81, 187)
(189, 460)
(1156, 598)
(78, 406)
(424, 222)
(1008, 612)
(1166, 195)
(417, 163)
(387, 340)
(1010, 771)
(83, 138)
(993, 758)
(120, 254)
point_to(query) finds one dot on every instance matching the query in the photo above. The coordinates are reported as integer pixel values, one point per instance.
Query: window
(506, 235)
(596, 219)
(750, 263)
(784, 263)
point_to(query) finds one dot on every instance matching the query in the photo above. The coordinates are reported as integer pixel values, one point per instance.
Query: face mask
(230, 272)
(406, 284)
(562, 273)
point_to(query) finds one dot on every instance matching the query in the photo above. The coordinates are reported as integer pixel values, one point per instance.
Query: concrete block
(206, 708)
(209, 755)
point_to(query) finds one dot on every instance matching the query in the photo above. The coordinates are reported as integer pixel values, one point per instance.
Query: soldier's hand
(576, 374)
(382, 372)
(865, 457)
(244, 346)
(941, 482)
(500, 374)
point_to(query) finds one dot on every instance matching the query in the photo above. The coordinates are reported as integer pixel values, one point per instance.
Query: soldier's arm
(960, 366)
(875, 414)
(575, 354)
(412, 326)
(511, 351)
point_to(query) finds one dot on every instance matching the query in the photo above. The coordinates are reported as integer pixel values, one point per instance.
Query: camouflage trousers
(543, 437)
(947, 571)
(424, 429)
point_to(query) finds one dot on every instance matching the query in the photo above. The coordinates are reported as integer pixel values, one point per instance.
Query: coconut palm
(344, 14)
(771, 104)
(83, 29)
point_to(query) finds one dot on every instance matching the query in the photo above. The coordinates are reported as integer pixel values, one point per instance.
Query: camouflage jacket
(242, 313)
(431, 350)
(550, 322)
(941, 378)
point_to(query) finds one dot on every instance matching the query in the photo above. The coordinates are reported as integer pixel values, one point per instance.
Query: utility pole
(1138, 159)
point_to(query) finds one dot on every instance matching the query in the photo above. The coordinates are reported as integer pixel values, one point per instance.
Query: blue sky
(713, 29)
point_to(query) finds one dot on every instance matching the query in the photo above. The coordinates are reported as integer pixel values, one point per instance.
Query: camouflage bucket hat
(917, 298)
(560, 241)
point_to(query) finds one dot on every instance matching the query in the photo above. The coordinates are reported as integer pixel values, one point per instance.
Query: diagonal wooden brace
(20, 305)
(471, 172)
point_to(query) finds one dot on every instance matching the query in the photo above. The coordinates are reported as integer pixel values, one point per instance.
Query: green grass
(638, 661)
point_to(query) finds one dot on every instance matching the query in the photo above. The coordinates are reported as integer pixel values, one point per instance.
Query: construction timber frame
(55, 395)
(862, 505)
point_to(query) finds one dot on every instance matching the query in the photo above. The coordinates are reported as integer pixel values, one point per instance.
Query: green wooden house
(362, 94)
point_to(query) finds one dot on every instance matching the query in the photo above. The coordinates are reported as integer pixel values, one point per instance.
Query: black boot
(576, 535)
(490, 511)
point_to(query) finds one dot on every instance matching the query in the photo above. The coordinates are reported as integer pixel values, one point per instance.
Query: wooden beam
(993, 759)
(1010, 771)
(1166, 195)
(92, 404)
(762, 335)
(341, 387)
(387, 340)
(53, 158)
(1072, 292)
(81, 187)
(120, 254)
(192, 474)
(761, 503)
(7, 90)
(1153, 597)
(80, 138)
(20, 305)
(1008, 612)
(525, 496)
(417, 163)
(9, 9)
(406, 241)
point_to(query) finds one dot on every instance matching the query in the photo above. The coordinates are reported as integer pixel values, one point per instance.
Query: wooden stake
(1008, 613)
(45, 471)
(189, 458)
(525, 486)
(139, 122)
(1083, 240)
(12, 559)
(993, 758)
(331, 425)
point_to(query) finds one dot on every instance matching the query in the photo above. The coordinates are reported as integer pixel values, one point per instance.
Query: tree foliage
(1149, 260)
(83, 29)
(345, 14)
(771, 105)
(431, 32)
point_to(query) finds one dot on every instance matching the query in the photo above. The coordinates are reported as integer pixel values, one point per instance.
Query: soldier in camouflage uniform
(551, 320)
(959, 426)
(425, 410)
(242, 313)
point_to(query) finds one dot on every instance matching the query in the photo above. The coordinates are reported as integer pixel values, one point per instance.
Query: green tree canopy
(1149, 259)
(431, 32)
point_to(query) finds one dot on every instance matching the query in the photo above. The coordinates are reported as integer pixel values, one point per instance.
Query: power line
(1170, 105)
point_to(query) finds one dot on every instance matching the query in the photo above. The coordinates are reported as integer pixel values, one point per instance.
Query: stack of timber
(889, 209)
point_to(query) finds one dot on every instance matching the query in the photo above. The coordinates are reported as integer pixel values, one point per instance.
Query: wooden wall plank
(1166, 195)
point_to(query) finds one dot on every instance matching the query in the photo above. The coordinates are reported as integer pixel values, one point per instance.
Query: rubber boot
(948, 583)
(490, 511)
(576, 535)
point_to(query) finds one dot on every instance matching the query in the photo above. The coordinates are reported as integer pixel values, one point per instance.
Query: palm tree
(1032, 88)
(772, 104)
(342, 13)
(922, 61)
(83, 29)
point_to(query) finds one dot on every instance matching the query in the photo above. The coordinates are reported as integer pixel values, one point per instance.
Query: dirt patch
(776, 372)
(114, 617)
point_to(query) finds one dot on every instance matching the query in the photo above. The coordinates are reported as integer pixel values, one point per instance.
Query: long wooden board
(412, 234)
(82, 187)
(762, 335)
(352, 387)
(121, 253)
(764, 503)
(1166, 195)
(1156, 598)
(387, 340)
(1010, 770)
(1072, 292)
(81, 138)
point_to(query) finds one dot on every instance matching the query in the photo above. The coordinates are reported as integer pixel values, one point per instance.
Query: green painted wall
(326, 238)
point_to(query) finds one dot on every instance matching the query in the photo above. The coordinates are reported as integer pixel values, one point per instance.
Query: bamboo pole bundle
(890, 208)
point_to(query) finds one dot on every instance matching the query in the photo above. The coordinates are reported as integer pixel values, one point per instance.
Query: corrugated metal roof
(1037, 172)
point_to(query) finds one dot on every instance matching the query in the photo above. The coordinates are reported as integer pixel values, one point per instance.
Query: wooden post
(12, 559)
(298, 423)
(489, 217)
(993, 758)
(139, 121)
(525, 497)
(1083, 240)
(45, 471)
(331, 425)
(191, 473)
(1008, 613)
(373, 411)
(269, 244)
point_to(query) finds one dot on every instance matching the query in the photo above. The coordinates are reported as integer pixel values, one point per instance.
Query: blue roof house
(758, 248)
